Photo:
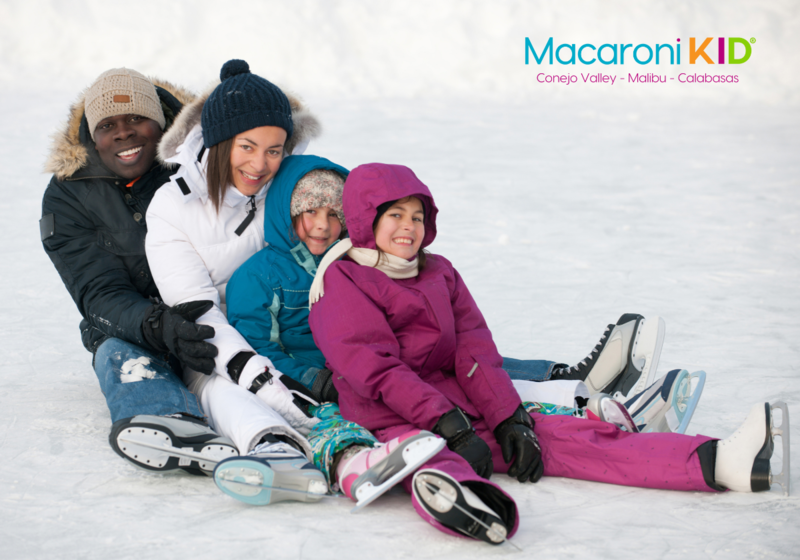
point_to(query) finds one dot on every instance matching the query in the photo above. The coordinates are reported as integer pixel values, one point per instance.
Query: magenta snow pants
(593, 450)
(585, 450)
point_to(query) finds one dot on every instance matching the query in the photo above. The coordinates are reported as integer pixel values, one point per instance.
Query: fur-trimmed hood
(306, 125)
(72, 144)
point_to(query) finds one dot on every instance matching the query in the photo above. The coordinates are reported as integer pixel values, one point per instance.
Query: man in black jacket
(93, 228)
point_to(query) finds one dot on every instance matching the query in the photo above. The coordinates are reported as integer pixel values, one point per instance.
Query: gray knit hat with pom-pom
(243, 101)
(319, 188)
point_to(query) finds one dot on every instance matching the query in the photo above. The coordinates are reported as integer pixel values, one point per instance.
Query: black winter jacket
(93, 229)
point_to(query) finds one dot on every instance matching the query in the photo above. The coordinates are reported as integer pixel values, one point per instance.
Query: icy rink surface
(560, 217)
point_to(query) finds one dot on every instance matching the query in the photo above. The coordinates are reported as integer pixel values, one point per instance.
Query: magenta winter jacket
(405, 351)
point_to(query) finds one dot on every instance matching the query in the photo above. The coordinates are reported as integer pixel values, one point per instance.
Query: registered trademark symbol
(752, 39)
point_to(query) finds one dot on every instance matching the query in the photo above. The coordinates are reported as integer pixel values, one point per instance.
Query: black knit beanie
(241, 102)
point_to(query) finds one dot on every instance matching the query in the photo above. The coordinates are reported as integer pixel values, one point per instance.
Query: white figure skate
(743, 459)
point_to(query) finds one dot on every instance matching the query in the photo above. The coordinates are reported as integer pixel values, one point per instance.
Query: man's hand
(174, 329)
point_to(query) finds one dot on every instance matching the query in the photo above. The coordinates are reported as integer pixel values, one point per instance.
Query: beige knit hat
(121, 91)
(317, 189)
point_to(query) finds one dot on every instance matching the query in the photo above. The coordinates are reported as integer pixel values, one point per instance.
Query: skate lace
(591, 356)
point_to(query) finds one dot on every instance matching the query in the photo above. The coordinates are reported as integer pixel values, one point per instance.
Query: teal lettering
(600, 54)
(548, 48)
(580, 54)
(636, 56)
(622, 53)
(571, 50)
(671, 53)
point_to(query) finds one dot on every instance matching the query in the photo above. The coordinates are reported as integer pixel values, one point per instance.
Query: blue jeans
(135, 381)
(530, 370)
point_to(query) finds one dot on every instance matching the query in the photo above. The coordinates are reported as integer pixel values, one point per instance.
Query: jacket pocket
(123, 243)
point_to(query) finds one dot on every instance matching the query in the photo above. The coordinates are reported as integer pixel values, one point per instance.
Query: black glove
(515, 436)
(455, 427)
(323, 388)
(174, 329)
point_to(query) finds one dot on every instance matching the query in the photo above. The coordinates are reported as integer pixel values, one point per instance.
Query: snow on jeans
(584, 450)
(135, 381)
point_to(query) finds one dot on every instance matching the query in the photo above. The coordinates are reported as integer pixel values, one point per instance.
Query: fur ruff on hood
(68, 154)
(306, 125)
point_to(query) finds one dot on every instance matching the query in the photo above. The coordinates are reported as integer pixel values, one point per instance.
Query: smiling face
(127, 144)
(401, 229)
(256, 156)
(318, 228)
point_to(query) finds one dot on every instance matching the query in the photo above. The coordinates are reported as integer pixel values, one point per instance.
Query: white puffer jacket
(192, 250)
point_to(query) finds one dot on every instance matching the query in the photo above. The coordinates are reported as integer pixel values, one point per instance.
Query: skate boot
(272, 472)
(604, 408)
(459, 508)
(624, 360)
(743, 460)
(371, 472)
(167, 443)
(669, 403)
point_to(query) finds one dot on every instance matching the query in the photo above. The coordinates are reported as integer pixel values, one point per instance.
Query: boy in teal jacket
(267, 297)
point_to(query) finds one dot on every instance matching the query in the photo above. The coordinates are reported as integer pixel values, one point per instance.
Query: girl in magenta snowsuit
(409, 348)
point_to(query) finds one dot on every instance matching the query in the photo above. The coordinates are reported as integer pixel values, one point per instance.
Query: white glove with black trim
(283, 394)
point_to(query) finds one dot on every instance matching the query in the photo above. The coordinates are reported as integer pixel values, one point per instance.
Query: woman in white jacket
(202, 226)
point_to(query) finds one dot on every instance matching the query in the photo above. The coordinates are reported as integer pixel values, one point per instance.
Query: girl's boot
(364, 473)
(743, 460)
(604, 408)
(460, 508)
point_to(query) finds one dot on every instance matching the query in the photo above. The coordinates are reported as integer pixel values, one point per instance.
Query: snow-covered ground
(561, 212)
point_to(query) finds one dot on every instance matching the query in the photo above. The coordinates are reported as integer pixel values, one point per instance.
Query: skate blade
(259, 485)
(695, 391)
(155, 445)
(650, 339)
(231, 481)
(415, 455)
(495, 533)
(783, 478)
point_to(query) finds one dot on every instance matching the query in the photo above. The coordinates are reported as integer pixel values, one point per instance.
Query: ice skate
(167, 443)
(457, 507)
(669, 403)
(372, 472)
(624, 360)
(743, 460)
(602, 407)
(272, 472)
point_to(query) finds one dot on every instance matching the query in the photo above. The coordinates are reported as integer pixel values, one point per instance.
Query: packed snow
(562, 206)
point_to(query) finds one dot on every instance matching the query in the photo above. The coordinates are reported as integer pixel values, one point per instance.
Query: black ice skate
(625, 359)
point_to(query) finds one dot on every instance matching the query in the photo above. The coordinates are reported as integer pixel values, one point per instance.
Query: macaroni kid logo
(730, 50)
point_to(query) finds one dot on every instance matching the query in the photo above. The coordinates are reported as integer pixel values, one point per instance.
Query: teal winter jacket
(268, 295)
